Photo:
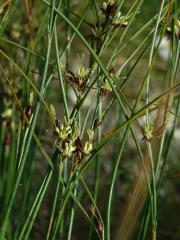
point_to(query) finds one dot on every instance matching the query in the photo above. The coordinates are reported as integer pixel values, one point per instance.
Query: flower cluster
(148, 133)
(105, 85)
(78, 78)
(69, 141)
(109, 18)
(106, 88)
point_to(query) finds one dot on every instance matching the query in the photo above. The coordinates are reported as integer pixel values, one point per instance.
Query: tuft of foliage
(89, 118)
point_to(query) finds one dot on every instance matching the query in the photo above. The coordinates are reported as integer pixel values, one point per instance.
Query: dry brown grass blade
(139, 192)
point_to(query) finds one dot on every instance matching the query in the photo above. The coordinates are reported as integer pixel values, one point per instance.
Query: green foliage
(81, 82)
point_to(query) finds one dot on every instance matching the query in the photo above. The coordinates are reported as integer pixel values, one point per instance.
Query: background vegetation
(89, 119)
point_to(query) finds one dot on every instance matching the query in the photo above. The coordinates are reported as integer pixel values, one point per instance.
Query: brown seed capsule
(77, 81)
(97, 123)
(78, 157)
(109, 10)
(112, 71)
(63, 144)
(4, 9)
(78, 144)
(178, 35)
(57, 122)
(28, 111)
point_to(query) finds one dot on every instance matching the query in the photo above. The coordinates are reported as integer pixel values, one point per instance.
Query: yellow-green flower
(148, 132)
(87, 148)
(69, 148)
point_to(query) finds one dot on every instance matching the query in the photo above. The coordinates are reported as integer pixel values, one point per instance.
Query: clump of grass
(60, 159)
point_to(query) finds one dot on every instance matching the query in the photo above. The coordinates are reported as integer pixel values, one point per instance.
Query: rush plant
(89, 113)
